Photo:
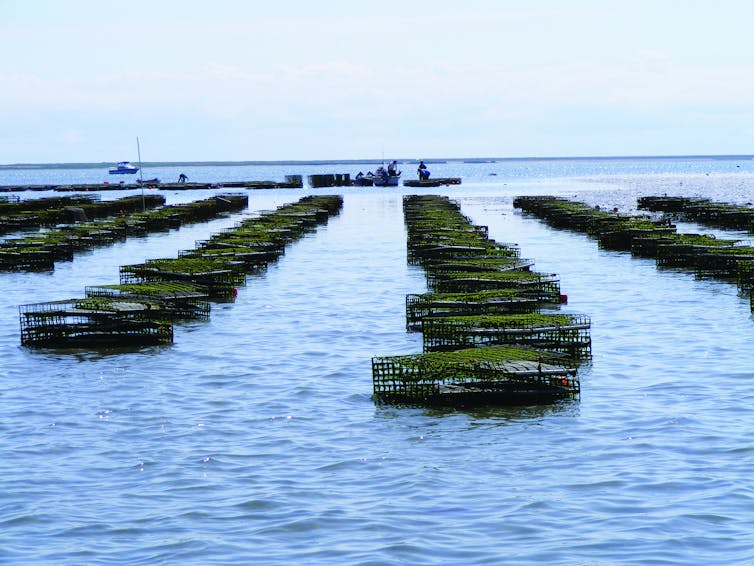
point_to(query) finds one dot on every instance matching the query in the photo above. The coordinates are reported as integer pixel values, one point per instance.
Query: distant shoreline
(98, 165)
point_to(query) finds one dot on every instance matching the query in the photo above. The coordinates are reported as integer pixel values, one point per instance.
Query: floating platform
(437, 182)
(291, 182)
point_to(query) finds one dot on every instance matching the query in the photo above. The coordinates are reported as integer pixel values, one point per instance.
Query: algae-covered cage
(86, 323)
(464, 282)
(568, 334)
(219, 279)
(178, 301)
(496, 375)
(500, 301)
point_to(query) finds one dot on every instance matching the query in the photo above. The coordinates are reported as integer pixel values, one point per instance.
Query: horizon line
(90, 164)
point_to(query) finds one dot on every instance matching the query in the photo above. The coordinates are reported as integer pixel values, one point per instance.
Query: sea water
(254, 437)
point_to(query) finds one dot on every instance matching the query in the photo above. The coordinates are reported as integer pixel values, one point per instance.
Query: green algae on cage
(649, 245)
(722, 262)
(481, 263)
(460, 282)
(138, 310)
(476, 283)
(62, 242)
(93, 322)
(565, 333)
(49, 211)
(496, 374)
(177, 300)
(703, 211)
(491, 301)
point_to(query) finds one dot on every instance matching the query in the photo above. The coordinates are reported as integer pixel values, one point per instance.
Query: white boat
(123, 168)
(386, 177)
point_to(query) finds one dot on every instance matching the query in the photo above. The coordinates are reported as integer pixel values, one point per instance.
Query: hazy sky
(251, 80)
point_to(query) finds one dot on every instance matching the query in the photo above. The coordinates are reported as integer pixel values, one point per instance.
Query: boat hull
(387, 181)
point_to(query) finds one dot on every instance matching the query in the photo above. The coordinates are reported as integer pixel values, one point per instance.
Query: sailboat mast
(141, 175)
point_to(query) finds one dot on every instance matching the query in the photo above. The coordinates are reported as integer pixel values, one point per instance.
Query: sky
(236, 80)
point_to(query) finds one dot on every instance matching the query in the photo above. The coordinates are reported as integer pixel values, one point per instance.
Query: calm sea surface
(254, 439)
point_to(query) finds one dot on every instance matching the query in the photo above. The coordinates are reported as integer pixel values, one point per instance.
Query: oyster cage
(475, 376)
(502, 301)
(137, 311)
(178, 301)
(568, 334)
(479, 321)
(470, 282)
(83, 323)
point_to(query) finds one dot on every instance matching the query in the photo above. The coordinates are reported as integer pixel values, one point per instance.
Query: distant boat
(123, 168)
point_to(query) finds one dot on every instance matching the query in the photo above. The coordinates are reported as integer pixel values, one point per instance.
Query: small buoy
(563, 299)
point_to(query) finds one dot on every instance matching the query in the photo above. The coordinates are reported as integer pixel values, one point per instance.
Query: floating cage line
(723, 262)
(40, 251)
(463, 263)
(221, 273)
(650, 246)
(487, 302)
(475, 278)
(702, 211)
(13, 205)
(250, 258)
(37, 213)
(681, 255)
(437, 230)
(253, 252)
(220, 277)
(474, 376)
(568, 334)
(150, 295)
(612, 231)
(670, 204)
(706, 255)
(30, 260)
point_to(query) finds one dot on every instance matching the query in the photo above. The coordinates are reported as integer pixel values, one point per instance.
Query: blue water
(254, 438)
